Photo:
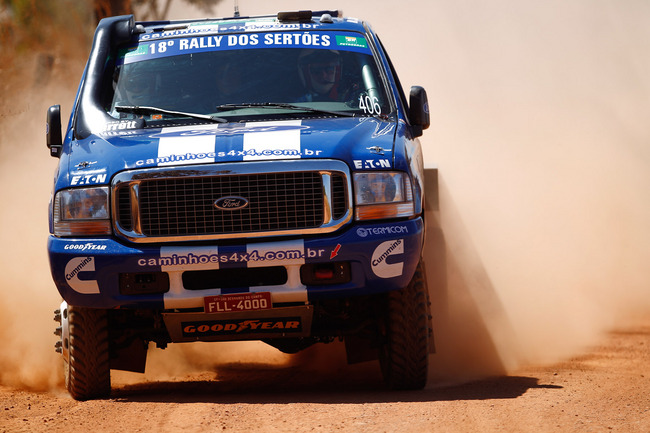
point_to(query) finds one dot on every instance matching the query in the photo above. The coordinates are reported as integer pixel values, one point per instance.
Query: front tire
(87, 369)
(404, 355)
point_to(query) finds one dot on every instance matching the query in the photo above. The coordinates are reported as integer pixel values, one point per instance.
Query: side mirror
(418, 110)
(53, 137)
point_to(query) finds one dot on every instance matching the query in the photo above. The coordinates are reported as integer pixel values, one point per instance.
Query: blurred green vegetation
(28, 25)
(34, 25)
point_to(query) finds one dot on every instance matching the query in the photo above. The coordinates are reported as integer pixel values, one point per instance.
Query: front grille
(185, 206)
(166, 204)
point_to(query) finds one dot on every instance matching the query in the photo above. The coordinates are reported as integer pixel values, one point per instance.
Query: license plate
(238, 302)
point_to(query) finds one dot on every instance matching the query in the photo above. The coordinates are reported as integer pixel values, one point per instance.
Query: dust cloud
(540, 136)
(26, 171)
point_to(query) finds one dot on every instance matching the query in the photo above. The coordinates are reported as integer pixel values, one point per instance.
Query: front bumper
(381, 257)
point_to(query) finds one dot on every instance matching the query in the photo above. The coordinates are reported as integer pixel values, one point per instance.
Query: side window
(400, 89)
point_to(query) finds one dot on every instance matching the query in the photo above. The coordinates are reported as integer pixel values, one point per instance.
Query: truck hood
(363, 143)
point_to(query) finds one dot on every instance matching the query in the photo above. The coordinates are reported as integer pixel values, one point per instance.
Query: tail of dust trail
(540, 133)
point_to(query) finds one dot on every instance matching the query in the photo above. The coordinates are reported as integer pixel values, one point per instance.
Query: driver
(320, 73)
(135, 85)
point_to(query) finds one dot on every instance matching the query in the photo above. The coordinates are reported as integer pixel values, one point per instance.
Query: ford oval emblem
(231, 202)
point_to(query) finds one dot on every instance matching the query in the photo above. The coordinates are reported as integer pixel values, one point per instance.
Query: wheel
(87, 369)
(404, 355)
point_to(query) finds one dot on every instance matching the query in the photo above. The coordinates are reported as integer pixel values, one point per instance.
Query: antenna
(236, 8)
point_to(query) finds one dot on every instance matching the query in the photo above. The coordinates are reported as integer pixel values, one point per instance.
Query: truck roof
(283, 21)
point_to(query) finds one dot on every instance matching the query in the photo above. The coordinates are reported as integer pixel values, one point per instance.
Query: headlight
(383, 195)
(82, 212)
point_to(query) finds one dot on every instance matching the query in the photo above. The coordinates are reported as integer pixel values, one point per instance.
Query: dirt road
(606, 389)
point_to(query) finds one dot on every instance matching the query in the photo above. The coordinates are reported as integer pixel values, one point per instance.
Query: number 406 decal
(369, 105)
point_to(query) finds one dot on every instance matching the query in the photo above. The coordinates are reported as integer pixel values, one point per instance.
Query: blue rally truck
(239, 179)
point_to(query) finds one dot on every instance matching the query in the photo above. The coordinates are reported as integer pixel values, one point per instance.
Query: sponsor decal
(371, 163)
(191, 30)
(230, 327)
(261, 141)
(77, 266)
(379, 262)
(123, 124)
(88, 179)
(252, 154)
(256, 255)
(119, 133)
(364, 232)
(335, 251)
(351, 41)
(85, 247)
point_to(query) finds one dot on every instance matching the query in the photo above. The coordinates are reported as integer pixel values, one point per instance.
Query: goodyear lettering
(225, 327)
(84, 247)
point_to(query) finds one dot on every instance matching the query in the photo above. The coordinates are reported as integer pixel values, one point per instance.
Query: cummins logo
(81, 265)
(379, 259)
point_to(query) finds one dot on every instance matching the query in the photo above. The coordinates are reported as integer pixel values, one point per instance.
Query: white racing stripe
(186, 149)
(281, 144)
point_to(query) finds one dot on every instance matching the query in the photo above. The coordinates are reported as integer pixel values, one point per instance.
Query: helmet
(320, 72)
(137, 83)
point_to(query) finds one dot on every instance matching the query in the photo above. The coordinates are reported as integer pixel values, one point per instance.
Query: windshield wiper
(224, 107)
(137, 109)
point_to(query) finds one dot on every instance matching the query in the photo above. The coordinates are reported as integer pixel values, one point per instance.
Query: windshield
(248, 75)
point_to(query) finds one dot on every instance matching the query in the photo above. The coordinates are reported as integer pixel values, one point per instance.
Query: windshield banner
(147, 50)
